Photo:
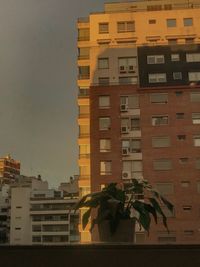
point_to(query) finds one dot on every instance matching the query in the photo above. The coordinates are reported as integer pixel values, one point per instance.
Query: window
(179, 93)
(84, 130)
(172, 41)
(154, 7)
(188, 232)
(105, 168)
(166, 238)
(193, 57)
(188, 22)
(157, 78)
(185, 184)
(168, 7)
(104, 101)
(36, 238)
(196, 139)
(171, 23)
(18, 207)
(127, 64)
(104, 123)
(18, 228)
(159, 120)
(126, 26)
(187, 208)
(133, 168)
(105, 145)
(84, 72)
(36, 228)
(127, 80)
(197, 164)
(104, 80)
(103, 63)
(130, 124)
(183, 160)
(196, 118)
(83, 53)
(195, 96)
(104, 27)
(175, 57)
(129, 102)
(160, 141)
(181, 137)
(152, 21)
(131, 145)
(84, 150)
(165, 188)
(177, 75)
(162, 164)
(189, 40)
(159, 98)
(84, 34)
(155, 59)
(84, 110)
(83, 92)
(180, 115)
(134, 123)
(194, 76)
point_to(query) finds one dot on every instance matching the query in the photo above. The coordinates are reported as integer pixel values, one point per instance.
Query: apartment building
(9, 168)
(139, 106)
(4, 214)
(41, 216)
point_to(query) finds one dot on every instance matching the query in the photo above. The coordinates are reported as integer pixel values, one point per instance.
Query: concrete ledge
(101, 255)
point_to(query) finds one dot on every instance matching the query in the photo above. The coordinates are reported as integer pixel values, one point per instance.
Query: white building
(40, 215)
(4, 214)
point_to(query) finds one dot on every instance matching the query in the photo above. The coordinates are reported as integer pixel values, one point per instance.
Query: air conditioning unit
(125, 151)
(126, 175)
(123, 107)
(124, 129)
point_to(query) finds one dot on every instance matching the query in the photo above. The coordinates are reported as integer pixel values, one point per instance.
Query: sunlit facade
(139, 105)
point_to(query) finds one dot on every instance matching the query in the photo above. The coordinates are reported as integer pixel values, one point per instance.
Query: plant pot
(125, 231)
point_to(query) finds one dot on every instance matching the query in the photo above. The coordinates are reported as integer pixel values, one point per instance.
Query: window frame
(101, 31)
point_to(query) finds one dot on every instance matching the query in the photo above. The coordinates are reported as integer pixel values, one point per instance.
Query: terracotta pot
(125, 231)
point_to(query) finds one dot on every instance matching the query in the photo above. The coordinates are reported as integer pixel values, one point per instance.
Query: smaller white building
(41, 216)
(4, 214)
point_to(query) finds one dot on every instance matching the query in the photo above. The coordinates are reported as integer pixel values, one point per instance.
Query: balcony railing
(83, 76)
(83, 57)
(84, 177)
(84, 156)
(84, 38)
(84, 20)
(83, 116)
(84, 135)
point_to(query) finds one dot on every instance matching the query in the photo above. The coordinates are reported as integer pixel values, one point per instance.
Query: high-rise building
(9, 168)
(139, 106)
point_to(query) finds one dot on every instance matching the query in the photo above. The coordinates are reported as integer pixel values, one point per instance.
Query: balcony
(84, 156)
(98, 255)
(84, 76)
(83, 20)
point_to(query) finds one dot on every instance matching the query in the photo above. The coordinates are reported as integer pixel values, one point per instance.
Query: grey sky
(38, 108)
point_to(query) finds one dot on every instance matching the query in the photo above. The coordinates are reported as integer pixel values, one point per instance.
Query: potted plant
(117, 209)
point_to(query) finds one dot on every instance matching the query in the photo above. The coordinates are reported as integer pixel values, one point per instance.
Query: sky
(38, 90)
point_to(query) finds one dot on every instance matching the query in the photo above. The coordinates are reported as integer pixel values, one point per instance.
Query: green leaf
(85, 218)
(144, 217)
(158, 209)
(151, 210)
(167, 203)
